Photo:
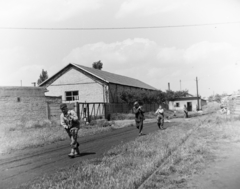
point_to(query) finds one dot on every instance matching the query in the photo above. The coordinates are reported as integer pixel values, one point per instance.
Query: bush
(122, 116)
(34, 124)
(100, 123)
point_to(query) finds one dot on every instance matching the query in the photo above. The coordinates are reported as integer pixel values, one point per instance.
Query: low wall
(22, 104)
(53, 107)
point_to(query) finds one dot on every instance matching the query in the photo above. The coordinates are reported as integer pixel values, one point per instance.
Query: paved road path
(24, 166)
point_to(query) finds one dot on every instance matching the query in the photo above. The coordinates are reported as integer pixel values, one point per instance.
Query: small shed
(191, 102)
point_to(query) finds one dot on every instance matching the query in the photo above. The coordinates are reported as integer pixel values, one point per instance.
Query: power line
(123, 28)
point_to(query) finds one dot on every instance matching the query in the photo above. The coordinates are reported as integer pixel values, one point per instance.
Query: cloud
(210, 53)
(13, 12)
(120, 54)
(15, 67)
(26, 74)
(148, 61)
(147, 7)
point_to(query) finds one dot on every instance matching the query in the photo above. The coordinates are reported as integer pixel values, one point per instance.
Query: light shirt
(69, 120)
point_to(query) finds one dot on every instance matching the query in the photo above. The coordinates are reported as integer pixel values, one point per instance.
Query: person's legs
(68, 132)
(140, 127)
(74, 143)
(158, 122)
(137, 124)
(162, 123)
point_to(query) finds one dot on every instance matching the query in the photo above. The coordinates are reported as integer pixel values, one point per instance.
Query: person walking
(185, 111)
(160, 117)
(69, 120)
(139, 117)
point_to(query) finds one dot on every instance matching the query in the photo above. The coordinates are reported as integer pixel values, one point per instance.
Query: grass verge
(196, 153)
(35, 134)
(124, 166)
(129, 165)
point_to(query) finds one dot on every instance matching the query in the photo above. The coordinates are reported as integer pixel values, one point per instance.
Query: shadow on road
(86, 153)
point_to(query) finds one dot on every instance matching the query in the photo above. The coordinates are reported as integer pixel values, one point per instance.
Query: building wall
(89, 90)
(22, 104)
(115, 89)
(172, 104)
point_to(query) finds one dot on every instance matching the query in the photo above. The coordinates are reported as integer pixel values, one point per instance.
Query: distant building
(191, 102)
(84, 84)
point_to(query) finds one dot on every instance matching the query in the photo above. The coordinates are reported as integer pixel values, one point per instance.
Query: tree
(180, 94)
(43, 76)
(211, 98)
(218, 98)
(128, 96)
(97, 65)
(148, 97)
(170, 95)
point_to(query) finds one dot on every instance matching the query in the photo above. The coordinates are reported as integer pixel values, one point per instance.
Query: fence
(92, 111)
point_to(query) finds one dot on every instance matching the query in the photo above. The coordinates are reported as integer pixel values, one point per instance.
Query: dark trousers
(160, 122)
(139, 125)
(72, 133)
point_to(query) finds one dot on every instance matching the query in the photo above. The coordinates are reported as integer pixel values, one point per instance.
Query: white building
(84, 84)
(190, 102)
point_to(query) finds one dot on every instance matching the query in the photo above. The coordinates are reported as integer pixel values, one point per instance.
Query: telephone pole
(180, 86)
(197, 94)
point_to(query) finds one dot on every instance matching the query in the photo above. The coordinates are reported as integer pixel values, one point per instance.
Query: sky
(156, 56)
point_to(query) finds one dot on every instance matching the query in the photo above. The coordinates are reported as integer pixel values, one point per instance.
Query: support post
(197, 94)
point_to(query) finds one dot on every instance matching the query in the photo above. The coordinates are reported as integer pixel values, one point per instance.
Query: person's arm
(141, 109)
(135, 110)
(156, 111)
(62, 121)
(73, 115)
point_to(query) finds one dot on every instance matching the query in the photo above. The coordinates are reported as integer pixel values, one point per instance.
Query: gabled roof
(107, 77)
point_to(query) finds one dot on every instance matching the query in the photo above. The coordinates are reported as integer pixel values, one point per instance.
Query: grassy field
(196, 153)
(166, 159)
(125, 166)
(34, 134)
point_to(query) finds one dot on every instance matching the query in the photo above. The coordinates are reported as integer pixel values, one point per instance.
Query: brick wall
(22, 104)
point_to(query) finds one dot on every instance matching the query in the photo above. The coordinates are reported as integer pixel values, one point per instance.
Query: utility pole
(197, 94)
(169, 86)
(180, 86)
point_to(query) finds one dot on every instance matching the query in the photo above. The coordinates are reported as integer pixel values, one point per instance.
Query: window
(177, 104)
(71, 95)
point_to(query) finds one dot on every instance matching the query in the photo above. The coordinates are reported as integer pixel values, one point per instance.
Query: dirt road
(25, 165)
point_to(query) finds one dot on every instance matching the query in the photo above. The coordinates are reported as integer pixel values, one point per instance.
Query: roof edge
(40, 85)
(76, 65)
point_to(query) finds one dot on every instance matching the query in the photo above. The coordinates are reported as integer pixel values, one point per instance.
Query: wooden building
(77, 83)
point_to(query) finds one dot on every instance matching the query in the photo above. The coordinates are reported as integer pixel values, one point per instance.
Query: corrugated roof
(115, 78)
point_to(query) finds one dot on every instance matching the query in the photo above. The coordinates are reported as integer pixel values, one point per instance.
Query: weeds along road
(25, 165)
